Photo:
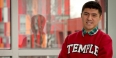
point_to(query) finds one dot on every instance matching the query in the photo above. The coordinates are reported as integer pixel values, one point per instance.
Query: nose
(89, 17)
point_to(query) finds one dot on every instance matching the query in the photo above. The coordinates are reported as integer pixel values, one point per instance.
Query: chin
(89, 28)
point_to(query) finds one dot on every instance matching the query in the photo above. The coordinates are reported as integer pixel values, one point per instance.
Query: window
(5, 24)
(35, 28)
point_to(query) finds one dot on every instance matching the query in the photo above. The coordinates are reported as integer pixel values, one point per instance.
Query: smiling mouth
(88, 23)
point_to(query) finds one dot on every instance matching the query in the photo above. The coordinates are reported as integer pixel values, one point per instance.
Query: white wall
(112, 23)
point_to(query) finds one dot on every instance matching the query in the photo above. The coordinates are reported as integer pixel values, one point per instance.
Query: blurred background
(37, 28)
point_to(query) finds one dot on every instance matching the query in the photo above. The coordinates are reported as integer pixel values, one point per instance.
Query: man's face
(90, 18)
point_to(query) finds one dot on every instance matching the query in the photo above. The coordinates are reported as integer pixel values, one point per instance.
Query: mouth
(88, 23)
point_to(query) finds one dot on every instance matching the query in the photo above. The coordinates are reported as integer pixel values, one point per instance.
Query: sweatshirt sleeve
(64, 51)
(106, 50)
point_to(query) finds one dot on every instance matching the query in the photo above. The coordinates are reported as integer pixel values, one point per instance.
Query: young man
(91, 42)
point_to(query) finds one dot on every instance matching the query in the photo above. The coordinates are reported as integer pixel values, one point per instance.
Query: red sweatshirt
(76, 45)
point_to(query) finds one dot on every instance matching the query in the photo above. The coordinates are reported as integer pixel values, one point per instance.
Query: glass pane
(5, 57)
(5, 24)
(38, 57)
(46, 23)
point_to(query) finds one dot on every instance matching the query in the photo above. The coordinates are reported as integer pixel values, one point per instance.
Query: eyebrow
(85, 12)
(91, 13)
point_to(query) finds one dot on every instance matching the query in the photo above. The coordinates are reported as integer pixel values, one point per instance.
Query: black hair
(93, 5)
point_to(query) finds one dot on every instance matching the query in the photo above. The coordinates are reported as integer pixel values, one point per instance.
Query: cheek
(96, 22)
(83, 21)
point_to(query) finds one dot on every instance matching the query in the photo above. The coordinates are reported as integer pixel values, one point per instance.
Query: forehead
(91, 10)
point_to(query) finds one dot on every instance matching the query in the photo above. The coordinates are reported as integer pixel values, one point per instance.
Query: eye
(94, 15)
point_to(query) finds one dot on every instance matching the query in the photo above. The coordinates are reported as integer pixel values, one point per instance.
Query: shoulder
(74, 35)
(104, 34)
(105, 41)
(105, 37)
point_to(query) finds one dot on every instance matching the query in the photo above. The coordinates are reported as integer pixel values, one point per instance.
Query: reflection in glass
(4, 24)
(38, 37)
(40, 24)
